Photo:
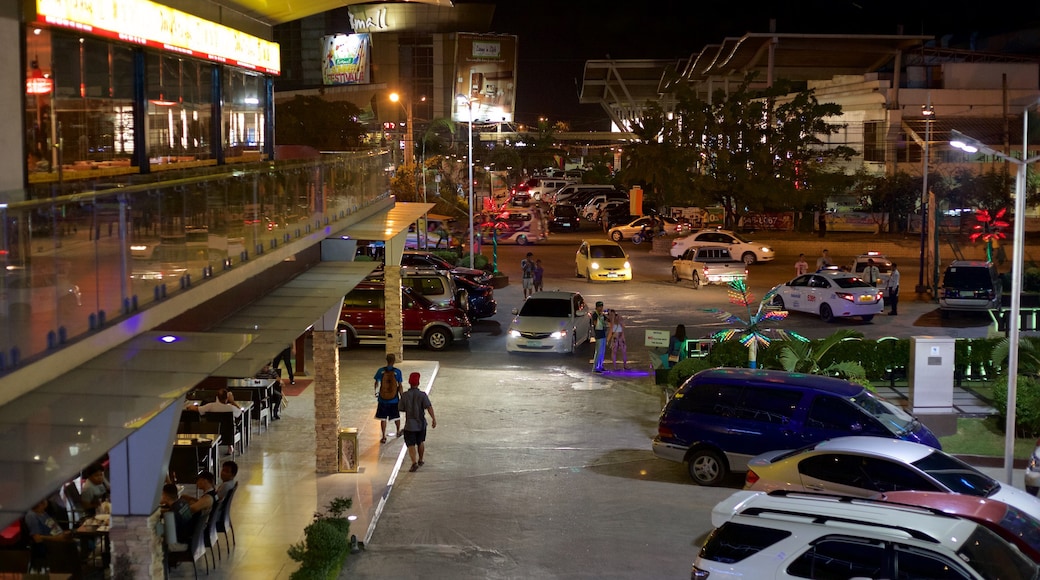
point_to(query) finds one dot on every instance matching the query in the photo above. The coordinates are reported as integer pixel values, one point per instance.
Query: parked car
(627, 230)
(436, 285)
(831, 294)
(420, 259)
(865, 466)
(536, 187)
(883, 264)
(481, 298)
(602, 260)
(363, 319)
(969, 285)
(563, 217)
(748, 251)
(721, 418)
(1033, 471)
(550, 322)
(708, 265)
(521, 229)
(591, 209)
(567, 192)
(1007, 521)
(787, 535)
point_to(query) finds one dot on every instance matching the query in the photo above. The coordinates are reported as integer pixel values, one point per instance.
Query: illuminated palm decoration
(752, 331)
(493, 226)
(989, 229)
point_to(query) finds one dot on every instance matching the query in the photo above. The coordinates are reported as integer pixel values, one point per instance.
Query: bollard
(133, 302)
(52, 340)
(101, 318)
(63, 335)
(92, 319)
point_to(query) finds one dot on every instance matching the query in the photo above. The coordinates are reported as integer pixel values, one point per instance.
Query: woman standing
(616, 339)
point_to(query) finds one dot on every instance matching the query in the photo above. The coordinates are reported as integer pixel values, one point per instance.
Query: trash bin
(348, 455)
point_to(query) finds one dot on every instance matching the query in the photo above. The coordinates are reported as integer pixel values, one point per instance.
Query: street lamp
(929, 115)
(469, 105)
(969, 145)
(409, 148)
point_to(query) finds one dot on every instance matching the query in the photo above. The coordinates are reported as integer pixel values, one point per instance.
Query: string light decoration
(753, 330)
(990, 229)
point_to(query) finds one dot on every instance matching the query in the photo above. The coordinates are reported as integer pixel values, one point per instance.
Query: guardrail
(1028, 319)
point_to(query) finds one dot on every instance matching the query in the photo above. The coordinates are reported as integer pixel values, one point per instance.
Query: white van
(537, 187)
(568, 191)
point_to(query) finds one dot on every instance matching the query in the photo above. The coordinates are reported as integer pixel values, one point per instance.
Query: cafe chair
(15, 561)
(224, 520)
(230, 429)
(64, 558)
(210, 537)
(74, 504)
(177, 553)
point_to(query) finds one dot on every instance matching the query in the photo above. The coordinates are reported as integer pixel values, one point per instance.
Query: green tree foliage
(807, 357)
(324, 125)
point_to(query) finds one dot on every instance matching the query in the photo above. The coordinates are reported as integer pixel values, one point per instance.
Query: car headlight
(514, 333)
(558, 334)
(595, 265)
(766, 249)
(1034, 463)
(627, 265)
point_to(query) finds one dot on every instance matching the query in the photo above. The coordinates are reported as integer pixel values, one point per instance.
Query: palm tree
(805, 357)
(752, 331)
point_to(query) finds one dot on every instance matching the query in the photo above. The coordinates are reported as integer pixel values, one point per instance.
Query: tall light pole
(929, 115)
(409, 147)
(469, 106)
(969, 145)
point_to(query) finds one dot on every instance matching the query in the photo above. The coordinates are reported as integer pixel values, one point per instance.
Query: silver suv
(969, 285)
(794, 535)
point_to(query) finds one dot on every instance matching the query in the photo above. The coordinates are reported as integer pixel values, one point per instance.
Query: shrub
(326, 543)
(1027, 407)
(686, 368)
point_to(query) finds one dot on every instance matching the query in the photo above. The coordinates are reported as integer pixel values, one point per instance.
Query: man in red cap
(414, 404)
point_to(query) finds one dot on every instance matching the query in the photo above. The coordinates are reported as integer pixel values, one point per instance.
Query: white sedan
(830, 294)
(863, 466)
(741, 248)
(550, 322)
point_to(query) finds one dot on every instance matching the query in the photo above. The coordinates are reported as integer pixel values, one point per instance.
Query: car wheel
(696, 280)
(867, 318)
(437, 339)
(826, 313)
(675, 275)
(707, 467)
(778, 301)
(616, 236)
(748, 258)
(521, 240)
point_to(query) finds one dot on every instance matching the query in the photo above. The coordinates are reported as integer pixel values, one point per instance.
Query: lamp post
(929, 115)
(409, 148)
(969, 145)
(469, 106)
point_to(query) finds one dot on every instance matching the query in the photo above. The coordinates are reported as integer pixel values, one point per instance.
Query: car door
(581, 259)
(582, 318)
(817, 293)
(829, 416)
(860, 475)
(796, 293)
(412, 317)
(685, 264)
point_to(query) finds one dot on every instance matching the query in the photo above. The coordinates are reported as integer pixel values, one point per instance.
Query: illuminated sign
(485, 75)
(367, 19)
(346, 59)
(150, 24)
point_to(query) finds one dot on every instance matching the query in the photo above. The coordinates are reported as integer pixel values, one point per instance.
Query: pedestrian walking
(285, 356)
(801, 266)
(539, 271)
(892, 290)
(824, 260)
(616, 339)
(600, 324)
(872, 274)
(527, 274)
(388, 395)
(415, 404)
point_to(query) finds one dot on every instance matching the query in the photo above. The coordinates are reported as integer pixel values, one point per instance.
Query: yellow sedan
(602, 260)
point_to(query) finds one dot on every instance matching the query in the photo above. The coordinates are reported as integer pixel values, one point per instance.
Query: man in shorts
(415, 403)
(388, 391)
(527, 274)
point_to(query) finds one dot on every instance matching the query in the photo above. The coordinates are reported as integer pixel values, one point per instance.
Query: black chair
(261, 410)
(64, 558)
(230, 428)
(196, 548)
(210, 537)
(75, 504)
(15, 561)
(224, 520)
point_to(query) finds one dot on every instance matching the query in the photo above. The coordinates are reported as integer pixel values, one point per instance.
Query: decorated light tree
(492, 227)
(990, 229)
(754, 329)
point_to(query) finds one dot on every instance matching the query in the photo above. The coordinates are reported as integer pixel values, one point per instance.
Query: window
(364, 298)
(913, 563)
(873, 141)
(734, 542)
(769, 404)
(721, 400)
(827, 412)
(841, 559)
(835, 468)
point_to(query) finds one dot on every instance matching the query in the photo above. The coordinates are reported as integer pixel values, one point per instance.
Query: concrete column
(12, 93)
(394, 315)
(326, 401)
(135, 543)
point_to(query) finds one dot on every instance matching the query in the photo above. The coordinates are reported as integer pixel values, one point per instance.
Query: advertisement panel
(485, 74)
(346, 59)
(701, 217)
(856, 221)
(777, 221)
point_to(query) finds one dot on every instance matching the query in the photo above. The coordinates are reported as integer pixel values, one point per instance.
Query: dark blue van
(721, 418)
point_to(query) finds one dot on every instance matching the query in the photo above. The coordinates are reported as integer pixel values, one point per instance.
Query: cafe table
(96, 528)
(190, 451)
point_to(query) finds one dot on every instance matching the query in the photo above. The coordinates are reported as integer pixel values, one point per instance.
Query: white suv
(793, 535)
(742, 248)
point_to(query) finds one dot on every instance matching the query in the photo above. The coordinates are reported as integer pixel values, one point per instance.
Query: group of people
(871, 275)
(42, 520)
(608, 327)
(392, 400)
(531, 272)
(185, 510)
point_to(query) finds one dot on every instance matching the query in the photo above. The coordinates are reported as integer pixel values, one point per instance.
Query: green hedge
(326, 544)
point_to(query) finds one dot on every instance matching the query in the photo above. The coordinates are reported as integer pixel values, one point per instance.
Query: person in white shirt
(225, 403)
(892, 296)
(872, 274)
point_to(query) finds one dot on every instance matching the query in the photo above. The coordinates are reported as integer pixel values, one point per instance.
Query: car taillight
(845, 296)
(750, 479)
(879, 295)
(664, 432)
(698, 574)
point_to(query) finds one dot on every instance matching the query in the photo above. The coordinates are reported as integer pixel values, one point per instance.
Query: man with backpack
(388, 393)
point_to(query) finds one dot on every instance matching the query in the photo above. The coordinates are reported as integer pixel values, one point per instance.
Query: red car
(1010, 523)
(362, 319)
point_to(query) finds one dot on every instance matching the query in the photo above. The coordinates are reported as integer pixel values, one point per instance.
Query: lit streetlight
(469, 106)
(929, 115)
(409, 148)
(969, 145)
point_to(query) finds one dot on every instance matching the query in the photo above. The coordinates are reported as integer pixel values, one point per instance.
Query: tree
(805, 357)
(324, 125)
(754, 330)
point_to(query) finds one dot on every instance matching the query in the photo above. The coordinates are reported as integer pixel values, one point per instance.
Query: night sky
(557, 37)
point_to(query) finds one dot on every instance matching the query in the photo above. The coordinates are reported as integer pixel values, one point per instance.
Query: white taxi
(742, 248)
(830, 294)
(884, 266)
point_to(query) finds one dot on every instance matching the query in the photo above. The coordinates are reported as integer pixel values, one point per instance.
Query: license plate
(866, 298)
(611, 274)
(534, 343)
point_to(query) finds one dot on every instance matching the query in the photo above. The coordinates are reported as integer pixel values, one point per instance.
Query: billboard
(485, 73)
(346, 59)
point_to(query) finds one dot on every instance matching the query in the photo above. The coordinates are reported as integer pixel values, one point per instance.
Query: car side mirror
(515, 311)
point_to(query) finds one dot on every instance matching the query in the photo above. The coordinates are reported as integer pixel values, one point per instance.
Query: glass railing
(94, 253)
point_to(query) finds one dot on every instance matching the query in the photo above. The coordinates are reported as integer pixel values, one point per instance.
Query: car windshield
(606, 252)
(850, 283)
(891, 416)
(966, 277)
(549, 307)
(741, 238)
(992, 557)
(956, 475)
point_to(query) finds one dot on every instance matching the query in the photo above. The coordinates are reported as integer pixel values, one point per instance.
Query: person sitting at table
(42, 530)
(180, 510)
(208, 498)
(95, 489)
(228, 473)
(225, 403)
(269, 372)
